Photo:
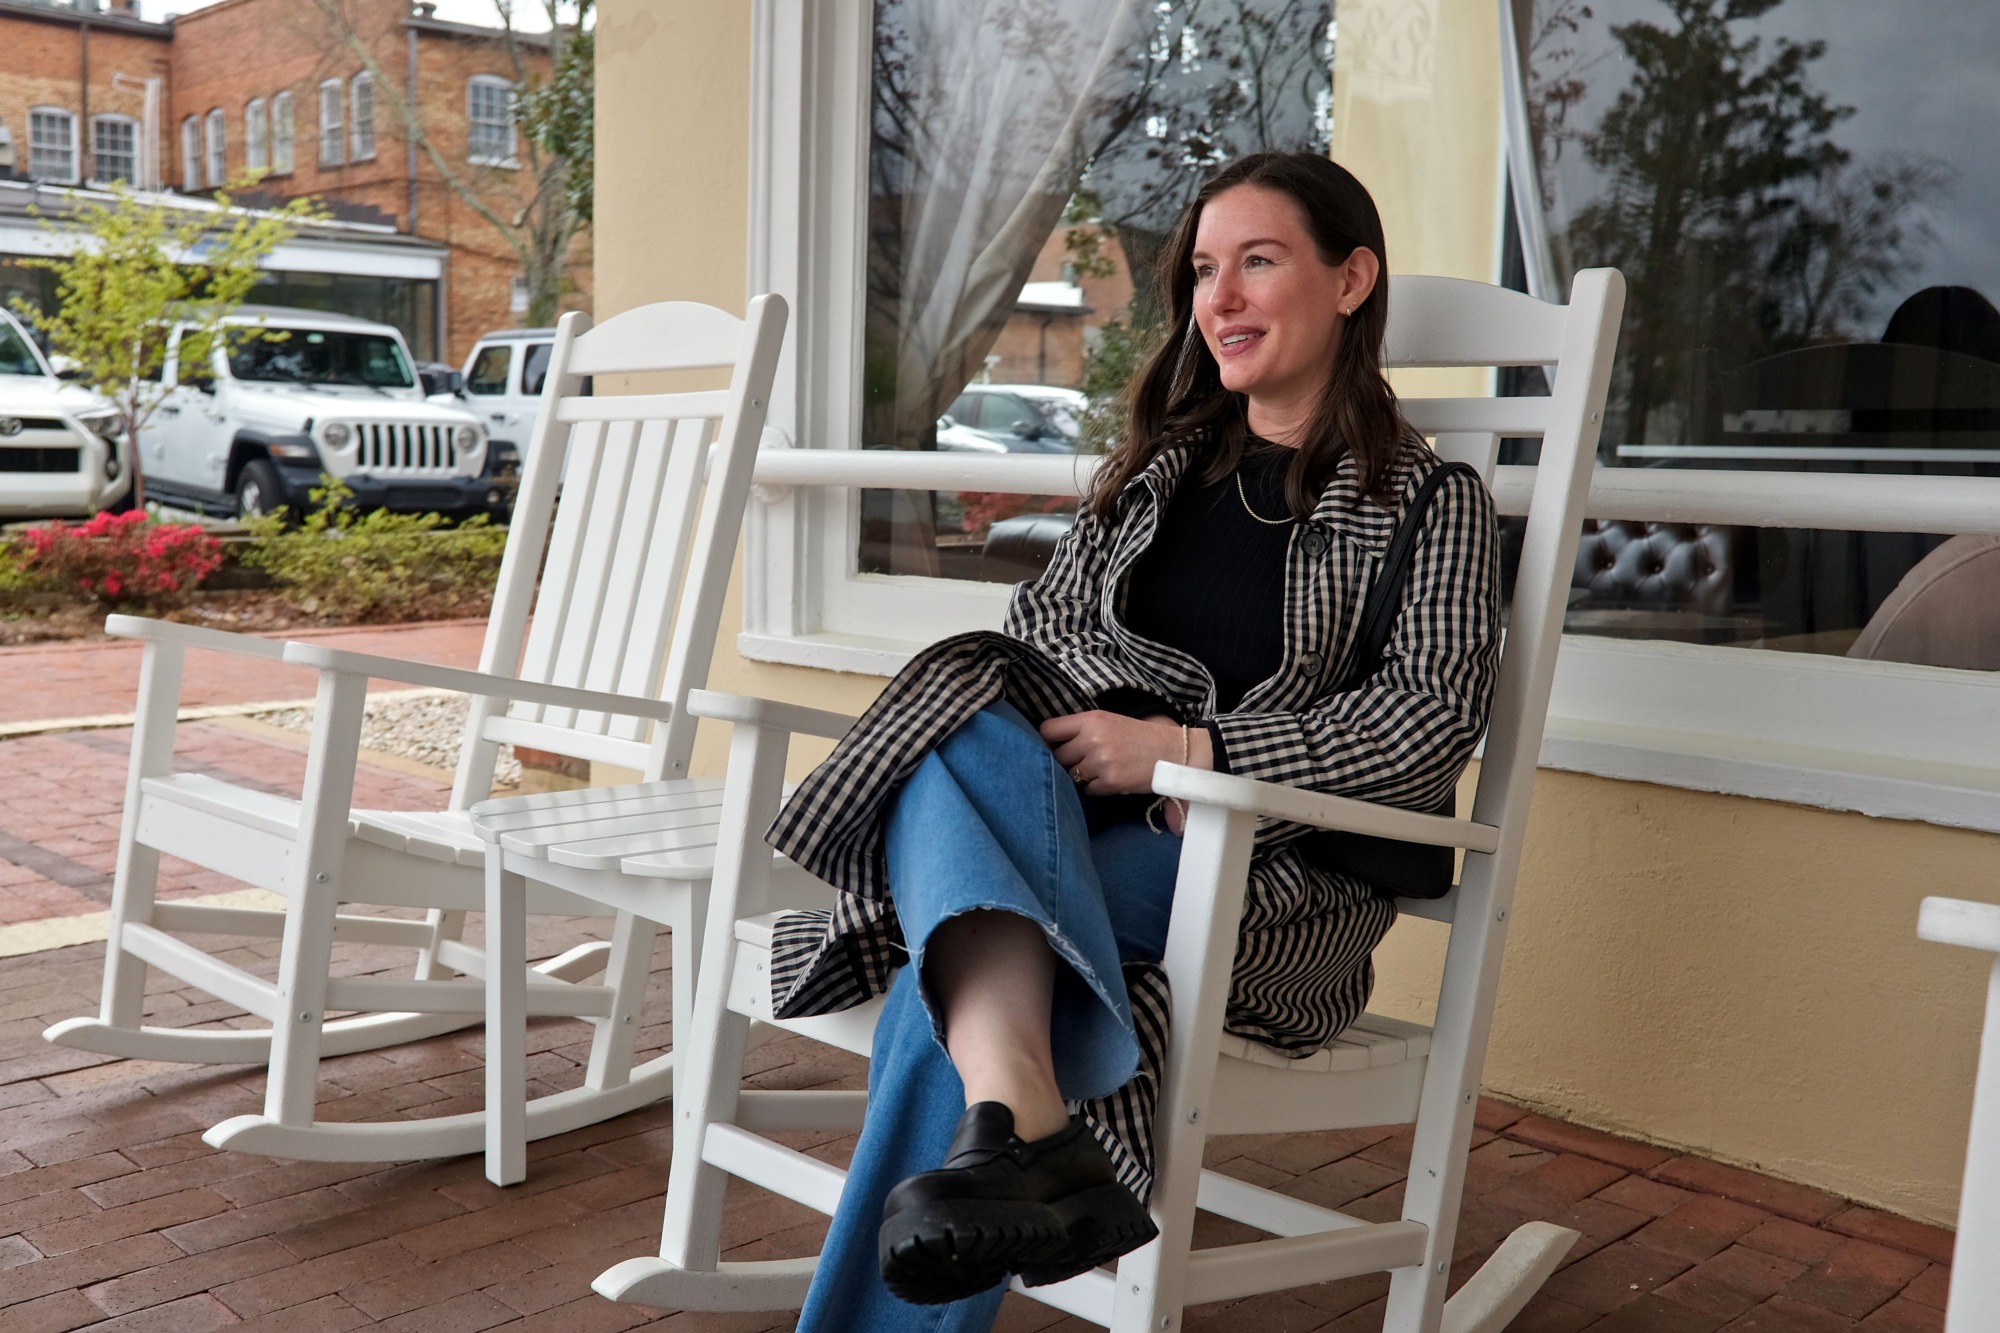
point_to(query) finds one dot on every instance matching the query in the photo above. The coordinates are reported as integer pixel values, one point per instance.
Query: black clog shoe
(1047, 1210)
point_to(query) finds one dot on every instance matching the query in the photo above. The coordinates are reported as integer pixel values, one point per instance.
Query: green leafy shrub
(377, 566)
(121, 559)
(19, 577)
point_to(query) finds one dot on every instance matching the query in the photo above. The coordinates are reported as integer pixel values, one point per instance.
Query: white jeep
(62, 448)
(298, 393)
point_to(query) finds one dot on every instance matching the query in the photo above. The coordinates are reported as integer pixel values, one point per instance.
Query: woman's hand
(1109, 754)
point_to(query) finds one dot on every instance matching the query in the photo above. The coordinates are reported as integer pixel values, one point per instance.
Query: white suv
(255, 428)
(62, 448)
(503, 386)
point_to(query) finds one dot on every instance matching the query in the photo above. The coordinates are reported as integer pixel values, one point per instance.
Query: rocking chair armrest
(1956, 921)
(461, 681)
(194, 636)
(745, 710)
(1273, 800)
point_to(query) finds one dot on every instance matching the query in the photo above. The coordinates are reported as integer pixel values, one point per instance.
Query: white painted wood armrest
(473, 682)
(1956, 921)
(1274, 800)
(745, 710)
(194, 636)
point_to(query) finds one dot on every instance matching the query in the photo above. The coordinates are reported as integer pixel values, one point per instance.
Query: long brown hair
(1179, 397)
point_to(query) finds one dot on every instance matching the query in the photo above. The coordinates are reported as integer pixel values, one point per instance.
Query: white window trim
(256, 135)
(511, 159)
(215, 145)
(132, 177)
(358, 126)
(283, 132)
(75, 144)
(191, 154)
(333, 128)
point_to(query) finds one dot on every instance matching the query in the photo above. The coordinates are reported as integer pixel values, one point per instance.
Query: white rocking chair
(1380, 1071)
(638, 552)
(1975, 1283)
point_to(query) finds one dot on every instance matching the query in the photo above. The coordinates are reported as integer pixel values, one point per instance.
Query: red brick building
(90, 92)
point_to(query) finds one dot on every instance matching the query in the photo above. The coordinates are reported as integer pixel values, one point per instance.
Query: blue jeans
(988, 821)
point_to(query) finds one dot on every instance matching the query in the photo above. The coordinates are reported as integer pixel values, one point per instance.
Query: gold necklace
(1284, 522)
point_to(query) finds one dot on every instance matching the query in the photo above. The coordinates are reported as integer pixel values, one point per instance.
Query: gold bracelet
(1160, 801)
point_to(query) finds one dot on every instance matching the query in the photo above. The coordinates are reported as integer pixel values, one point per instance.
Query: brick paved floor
(65, 680)
(112, 1210)
(60, 799)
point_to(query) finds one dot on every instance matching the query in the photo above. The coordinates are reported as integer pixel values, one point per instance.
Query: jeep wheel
(257, 492)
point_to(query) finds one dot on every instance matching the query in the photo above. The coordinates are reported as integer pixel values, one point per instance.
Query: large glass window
(215, 138)
(1801, 196)
(114, 148)
(256, 135)
(489, 113)
(332, 124)
(191, 154)
(281, 133)
(1024, 168)
(361, 100)
(51, 144)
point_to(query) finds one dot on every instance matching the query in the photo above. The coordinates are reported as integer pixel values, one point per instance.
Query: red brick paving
(63, 680)
(111, 1208)
(113, 1212)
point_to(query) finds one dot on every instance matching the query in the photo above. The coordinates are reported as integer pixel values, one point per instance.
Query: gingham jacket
(1302, 970)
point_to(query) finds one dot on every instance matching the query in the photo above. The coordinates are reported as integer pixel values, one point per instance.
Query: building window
(281, 133)
(361, 99)
(489, 109)
(114, 149)
(256, 135)
(191, 154)
(332, 132)
(51, 144)
(218, 148)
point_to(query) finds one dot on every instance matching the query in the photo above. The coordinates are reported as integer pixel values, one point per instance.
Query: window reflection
(1024, 169)
(1800, 197)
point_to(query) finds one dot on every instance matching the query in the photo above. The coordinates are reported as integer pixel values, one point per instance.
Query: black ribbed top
(1212, 584)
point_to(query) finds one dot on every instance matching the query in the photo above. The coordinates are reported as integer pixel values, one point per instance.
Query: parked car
(290, 394)
(63, 452)
(502, 383)
(1012, 419)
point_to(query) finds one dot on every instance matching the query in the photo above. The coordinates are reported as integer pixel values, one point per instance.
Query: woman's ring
(1076, 776)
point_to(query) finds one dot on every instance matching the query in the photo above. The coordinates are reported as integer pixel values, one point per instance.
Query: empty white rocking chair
(638, 550)
(1381, 1071)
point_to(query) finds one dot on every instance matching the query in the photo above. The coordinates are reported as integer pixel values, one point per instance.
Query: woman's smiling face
(1269, 306)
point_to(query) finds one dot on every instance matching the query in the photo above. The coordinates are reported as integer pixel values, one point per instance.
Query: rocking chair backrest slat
(606, 511)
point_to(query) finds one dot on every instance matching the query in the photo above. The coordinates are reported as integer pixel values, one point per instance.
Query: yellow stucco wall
(1734, 976)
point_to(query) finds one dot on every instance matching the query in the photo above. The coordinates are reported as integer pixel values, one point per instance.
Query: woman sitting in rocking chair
(1207, 609)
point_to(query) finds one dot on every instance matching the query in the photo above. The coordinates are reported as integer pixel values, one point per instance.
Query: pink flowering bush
(983, 509)
(123, 559)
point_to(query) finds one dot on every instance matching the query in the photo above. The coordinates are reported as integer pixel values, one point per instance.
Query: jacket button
(1313, 542)
(1310, 663)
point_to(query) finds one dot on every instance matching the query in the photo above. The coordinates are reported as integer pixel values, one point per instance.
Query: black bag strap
(1385, 599)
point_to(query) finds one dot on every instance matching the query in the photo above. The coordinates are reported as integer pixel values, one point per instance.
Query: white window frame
(803, 601)
(256, 135)
(361, 117)
(283, 134)
(509, 159)
(97, 155)
(1884, 739)
(191, 154)
(215, 146)
(332, 123)
(49, 113)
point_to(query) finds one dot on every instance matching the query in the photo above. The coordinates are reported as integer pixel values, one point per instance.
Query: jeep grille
(404, 449)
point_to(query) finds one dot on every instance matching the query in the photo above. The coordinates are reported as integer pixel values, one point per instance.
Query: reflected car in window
(1012, 419)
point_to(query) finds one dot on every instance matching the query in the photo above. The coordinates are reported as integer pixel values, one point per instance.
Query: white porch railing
(1841, 501)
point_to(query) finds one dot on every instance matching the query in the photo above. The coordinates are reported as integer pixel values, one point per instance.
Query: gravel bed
(423, 727)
